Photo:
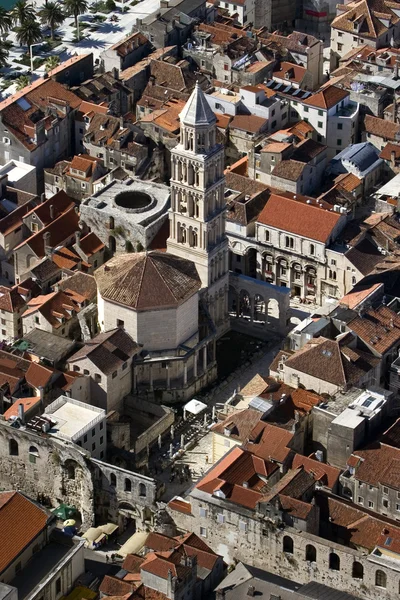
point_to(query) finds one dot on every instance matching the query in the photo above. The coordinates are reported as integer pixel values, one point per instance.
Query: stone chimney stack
(46, 241)
(51, 210)
(78, 238)
(21, 413)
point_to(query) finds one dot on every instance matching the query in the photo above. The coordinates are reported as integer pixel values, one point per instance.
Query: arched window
(142, 490)
(128, 485)
(113, 479)
(358, 570)
(13, 448)
(287, 544)
(111, 223)
(334, 562)
(380, 579)
(71, 471)
(33, 450)
(311, 553)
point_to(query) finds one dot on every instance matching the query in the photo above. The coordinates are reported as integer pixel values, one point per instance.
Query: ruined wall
(44, 466)
(244, 537)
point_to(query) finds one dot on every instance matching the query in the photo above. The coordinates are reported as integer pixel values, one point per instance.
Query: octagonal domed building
(154, 296)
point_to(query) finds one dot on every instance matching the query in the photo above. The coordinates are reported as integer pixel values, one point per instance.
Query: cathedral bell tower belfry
(197, 214)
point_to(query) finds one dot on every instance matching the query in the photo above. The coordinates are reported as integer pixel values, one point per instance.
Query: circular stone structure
(133, 200)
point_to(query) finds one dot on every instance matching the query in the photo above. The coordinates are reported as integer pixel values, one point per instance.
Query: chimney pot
(21, 412)
(51, 211)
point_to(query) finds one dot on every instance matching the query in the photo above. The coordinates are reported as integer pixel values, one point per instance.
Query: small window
(113, 479)
(340, 126)
(124, 366)
(242, 526)
(266, 235)
(360, 500)
(142, 490)
(221, 518)
(13, 448)
(101, 425)
(85, 439)
(37, 320)
(58, 585)
(358, 570)
(203, 512)
(287, 544)
(93, 432)
(101, 440)
(114, 374)
(306, 109)
(370, 504)
(203, 531)
(93, 447)
(85, 372)
(320, 113)
(338, 142)
(334, 562)
(120, 323)
(320, 124)
(380, 579)
(312, 249)
(311, 553)
(385, 490)
(128, 485)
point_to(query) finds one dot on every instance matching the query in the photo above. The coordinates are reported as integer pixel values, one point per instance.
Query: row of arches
(128, 485)
(187, 235)
(357, 572)
(13, 448)
(197, 141)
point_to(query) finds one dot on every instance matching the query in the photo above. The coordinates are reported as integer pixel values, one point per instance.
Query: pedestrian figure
(206, 458)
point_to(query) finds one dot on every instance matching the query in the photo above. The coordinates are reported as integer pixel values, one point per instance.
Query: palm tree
(5, 20)
(23, 81)
(3, 56)
(52, 15)
(22, 11)
(29, 33)
(76, 8)
(51, 63)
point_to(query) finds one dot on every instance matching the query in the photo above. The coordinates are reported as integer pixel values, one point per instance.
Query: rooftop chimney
(42, 198)
(251, 590)
(51, 210)
(21, 412)
(78, 238)
(46, 240)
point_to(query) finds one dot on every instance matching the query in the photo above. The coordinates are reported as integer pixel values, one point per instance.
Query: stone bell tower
(197, 214)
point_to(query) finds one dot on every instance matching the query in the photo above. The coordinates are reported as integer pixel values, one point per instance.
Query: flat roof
(73, 417)
(15, 170)
(349, 418)
(47, 345)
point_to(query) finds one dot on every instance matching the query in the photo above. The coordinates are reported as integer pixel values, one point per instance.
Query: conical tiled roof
(148, 281)
(197, 111)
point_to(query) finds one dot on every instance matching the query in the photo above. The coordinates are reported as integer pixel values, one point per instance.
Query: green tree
(23, 81)
(110, 5)
(51, 63)
(52, 16)
(22, 11)
(3, 56)
(29, 33)
(76, 8)
(5, 20)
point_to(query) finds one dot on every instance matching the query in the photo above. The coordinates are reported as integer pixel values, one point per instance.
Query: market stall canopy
(64, 512)
(194, 407)
(134, 544)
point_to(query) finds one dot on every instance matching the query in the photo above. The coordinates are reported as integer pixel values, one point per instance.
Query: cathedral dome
(144, 281)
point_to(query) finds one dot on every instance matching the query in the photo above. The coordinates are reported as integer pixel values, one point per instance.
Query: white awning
(195, 407)
(134, 544)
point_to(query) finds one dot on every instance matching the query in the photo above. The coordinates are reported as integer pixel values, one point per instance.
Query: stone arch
(70, 467)
(380, 578)
(273, 309)
(311, 553)
(112, 244)
(33, 450)
(250, 269)
(287, 544)
(334, 561)
(260, 309)
(347, 493)
(357, 570)
(13, 448)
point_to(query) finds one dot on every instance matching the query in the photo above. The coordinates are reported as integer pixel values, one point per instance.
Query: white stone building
(80, 423)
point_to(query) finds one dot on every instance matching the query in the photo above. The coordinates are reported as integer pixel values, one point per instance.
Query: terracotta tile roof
(320, 471)
(358, 295)
(65, 258)
(144, 281)
(348, 181)
(378, 464)
(290, 169)
(27, 403)
(221, 33)
(132, 563)
(60, 229)
(57, 307)
(369, 15)
(326, 98)
(255, 387)
(326, 360)
(290, 72)
(160, 543)
(108, 351)
(248, 123)
(21, 521)
(10, 299)
(296, 508)
(299, 218)
(38, 98)
(240, 476)
(38, 375)
(81, 283)
(276, 147)
(111, 586)
(386, 153)
(365, 256)
(270, 442)
(358, 529)
(130, 43)
(15, 219)
(243, 184)
(180, 505)
(160, 567)
(381, 128)
(378, 328)
(60, 204)
(239, 424)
